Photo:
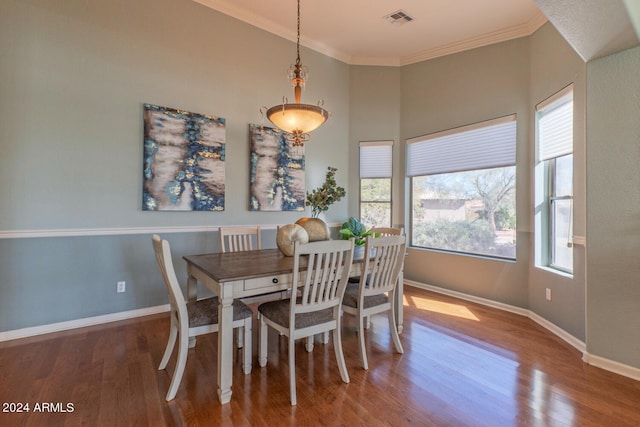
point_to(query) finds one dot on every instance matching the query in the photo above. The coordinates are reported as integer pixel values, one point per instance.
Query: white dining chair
(193, 318)
(321, 270)
(379, 232)
(239, 238)
(378, 284)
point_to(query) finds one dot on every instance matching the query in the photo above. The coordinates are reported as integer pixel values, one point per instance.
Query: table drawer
(276, 282)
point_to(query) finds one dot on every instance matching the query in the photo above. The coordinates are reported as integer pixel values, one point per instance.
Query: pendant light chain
(298, 42)
(297, 119)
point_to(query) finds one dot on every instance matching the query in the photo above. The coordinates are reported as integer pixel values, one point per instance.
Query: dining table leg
(192, 295)
(225, 341)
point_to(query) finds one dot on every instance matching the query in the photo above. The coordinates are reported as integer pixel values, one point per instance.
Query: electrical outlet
(121, 286)
(548, 294)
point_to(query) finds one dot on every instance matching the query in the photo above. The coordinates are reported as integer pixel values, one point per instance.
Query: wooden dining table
(233, 275)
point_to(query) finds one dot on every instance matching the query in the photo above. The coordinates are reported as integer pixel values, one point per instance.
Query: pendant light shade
(297, 119)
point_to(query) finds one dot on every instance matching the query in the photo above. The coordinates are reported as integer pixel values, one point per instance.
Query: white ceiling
(355, 31)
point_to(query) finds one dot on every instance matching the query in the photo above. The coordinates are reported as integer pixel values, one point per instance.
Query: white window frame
(376, 162)
(561, 145)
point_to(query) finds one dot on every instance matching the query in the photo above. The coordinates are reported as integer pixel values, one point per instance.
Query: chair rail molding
(123, 231)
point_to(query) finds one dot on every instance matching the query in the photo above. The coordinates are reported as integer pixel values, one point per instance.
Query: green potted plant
(324, 196)
(354, 228)
(320, 199)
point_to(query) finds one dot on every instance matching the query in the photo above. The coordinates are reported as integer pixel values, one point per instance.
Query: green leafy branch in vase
(324, 196)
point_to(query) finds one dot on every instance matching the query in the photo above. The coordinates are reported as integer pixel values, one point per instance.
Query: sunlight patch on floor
(457, 310)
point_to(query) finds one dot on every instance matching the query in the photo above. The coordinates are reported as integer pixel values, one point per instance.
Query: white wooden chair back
(236, 239)
(381, 270)
(165, 263)
(386, 231)
(326, 276)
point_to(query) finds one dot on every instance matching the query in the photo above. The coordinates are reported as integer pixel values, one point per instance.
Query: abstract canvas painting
(276, 173)
(184, 160)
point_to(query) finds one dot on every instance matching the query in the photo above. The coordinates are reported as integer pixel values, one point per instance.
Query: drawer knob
(274, 280)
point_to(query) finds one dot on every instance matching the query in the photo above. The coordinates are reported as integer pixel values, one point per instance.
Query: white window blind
(482, 145)
(376, 159)
(555, 125)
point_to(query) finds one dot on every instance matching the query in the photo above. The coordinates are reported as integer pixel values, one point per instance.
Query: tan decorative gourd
(316, 228)
(287, 235)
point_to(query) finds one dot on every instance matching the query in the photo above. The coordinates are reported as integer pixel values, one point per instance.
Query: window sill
(555, 271)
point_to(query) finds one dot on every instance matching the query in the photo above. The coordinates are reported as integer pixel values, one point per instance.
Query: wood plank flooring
(464, 365)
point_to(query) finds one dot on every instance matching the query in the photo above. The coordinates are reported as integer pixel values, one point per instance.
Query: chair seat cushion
(278, 312)
(205, 311)
(351, 297)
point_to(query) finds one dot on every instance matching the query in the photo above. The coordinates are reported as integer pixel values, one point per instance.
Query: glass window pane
(564, 176)
(373, 189)
(562, 251)
(471, 212)
(375, 214)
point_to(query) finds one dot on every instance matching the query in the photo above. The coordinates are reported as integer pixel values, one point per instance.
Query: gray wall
(613, 207)
(76, 74)
(453, 91)
(375, 116)
(554, 65)
(73, 77)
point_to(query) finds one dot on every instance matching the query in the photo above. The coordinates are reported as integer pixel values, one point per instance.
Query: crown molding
(511, 33)
(266, 25)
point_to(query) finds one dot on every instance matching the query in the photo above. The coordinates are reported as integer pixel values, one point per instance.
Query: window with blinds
(483, 145)
(555, 125)
(376, 169)
(463, 189)
(554, 136)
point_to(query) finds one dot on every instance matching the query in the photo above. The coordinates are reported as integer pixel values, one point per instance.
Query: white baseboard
(610, 365)
(597, 361)
(561, 333)
(471, 298)
(80, 323)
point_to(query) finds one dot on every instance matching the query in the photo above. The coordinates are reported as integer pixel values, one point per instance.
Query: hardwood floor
(464, 365)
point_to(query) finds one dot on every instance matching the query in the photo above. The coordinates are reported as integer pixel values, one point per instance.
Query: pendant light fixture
(297, 120)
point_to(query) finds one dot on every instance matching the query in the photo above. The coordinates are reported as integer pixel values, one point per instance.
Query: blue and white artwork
(184, 160)
(277, 171)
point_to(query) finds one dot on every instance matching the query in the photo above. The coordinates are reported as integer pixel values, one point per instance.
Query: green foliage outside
(375, 201)
(462, 236)
(487, 226)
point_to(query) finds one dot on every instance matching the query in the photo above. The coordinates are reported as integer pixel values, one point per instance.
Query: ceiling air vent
(399, 17)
